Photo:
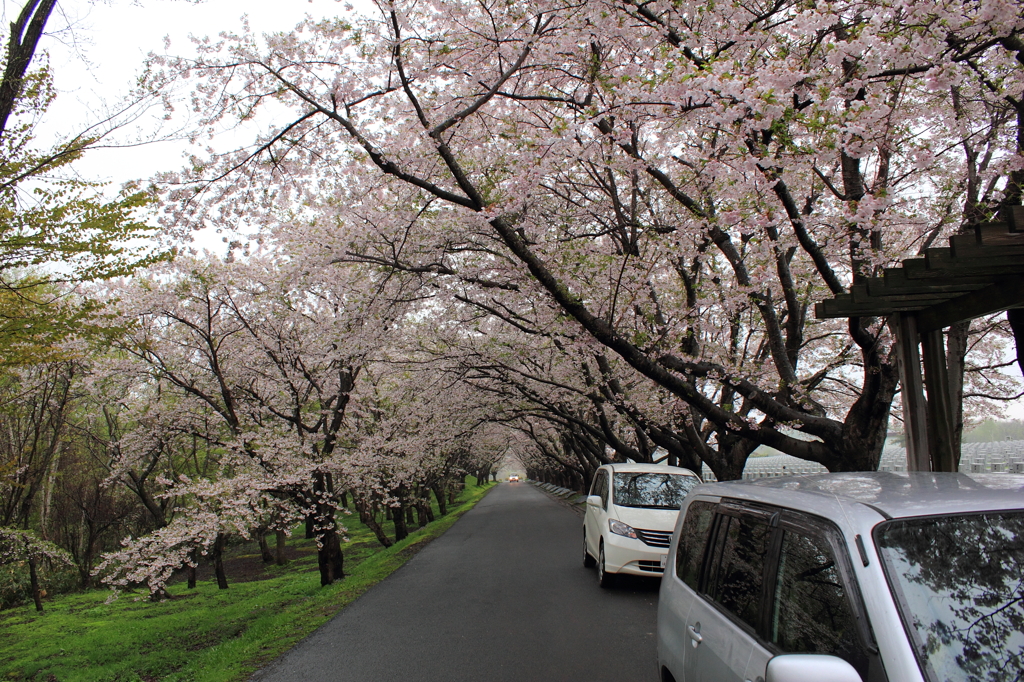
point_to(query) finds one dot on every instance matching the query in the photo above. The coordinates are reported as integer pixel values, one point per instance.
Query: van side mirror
(594, 500)
(810, 668)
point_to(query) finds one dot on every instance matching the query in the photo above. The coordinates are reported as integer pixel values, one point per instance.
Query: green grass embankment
(205, 633)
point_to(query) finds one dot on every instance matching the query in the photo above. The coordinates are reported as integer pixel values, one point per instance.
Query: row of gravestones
(997, 457)
(554, 489)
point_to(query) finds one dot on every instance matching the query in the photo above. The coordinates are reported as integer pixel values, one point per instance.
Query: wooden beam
(915, 414)
(1006, 293)
(951, 270)
(943, 261)
(893, 285)
(837, 307)
(997, 242)
(863, 295)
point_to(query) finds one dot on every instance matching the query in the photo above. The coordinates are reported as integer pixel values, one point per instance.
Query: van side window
(811, 611)
(693, 538)
(736, 583)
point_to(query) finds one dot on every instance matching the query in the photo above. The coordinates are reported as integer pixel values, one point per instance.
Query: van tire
(604, 578)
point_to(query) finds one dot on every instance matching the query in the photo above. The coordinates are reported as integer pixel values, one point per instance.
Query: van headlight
(619, 528)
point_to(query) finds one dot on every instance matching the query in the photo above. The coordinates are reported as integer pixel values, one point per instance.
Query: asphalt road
(502, 595)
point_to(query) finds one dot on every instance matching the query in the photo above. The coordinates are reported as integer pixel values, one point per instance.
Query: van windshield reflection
(651, 490)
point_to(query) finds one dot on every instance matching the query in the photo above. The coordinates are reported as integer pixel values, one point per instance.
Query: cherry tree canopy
(247, 396)
(668, 185)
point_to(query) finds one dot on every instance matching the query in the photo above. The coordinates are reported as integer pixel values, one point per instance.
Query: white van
(631, 512)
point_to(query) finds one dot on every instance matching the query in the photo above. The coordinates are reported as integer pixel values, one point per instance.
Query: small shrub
(53, 579)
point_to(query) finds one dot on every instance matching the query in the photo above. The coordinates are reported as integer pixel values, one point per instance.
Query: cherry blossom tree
(257, 361)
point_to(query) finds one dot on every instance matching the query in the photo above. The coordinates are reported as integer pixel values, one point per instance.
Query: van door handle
(695, 635)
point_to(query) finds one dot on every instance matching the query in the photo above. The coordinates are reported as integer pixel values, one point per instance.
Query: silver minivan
(855, 577)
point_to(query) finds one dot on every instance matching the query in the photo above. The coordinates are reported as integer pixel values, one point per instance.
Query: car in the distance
(852, 577)
(629, 517)
(514, 478)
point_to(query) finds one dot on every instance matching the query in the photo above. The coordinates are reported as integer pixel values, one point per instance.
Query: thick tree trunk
(956, 352)
(425, 504)
(279, 557)
(218, 560)
(310, 527)
(421, 514)
(441, 497)
(867, 423)
(330, 558)
(398, 514)
(265, 554)
(84, 577)
(190, 571)
(731, 457)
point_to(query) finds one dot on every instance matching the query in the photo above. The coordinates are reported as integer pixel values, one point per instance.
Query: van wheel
(604, 578)
(588, 561)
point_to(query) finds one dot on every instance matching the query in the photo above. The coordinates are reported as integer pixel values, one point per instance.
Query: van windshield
(652, 490)
(960, 586)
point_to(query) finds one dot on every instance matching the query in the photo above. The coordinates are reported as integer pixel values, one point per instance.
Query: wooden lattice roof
(981, 272)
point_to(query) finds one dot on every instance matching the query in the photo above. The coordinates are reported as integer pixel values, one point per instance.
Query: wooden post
(915, 411)
(940, 412)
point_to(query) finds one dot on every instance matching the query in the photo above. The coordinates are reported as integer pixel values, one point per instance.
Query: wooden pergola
(982, 272)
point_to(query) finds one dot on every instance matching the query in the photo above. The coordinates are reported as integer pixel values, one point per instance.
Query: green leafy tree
(56, 229)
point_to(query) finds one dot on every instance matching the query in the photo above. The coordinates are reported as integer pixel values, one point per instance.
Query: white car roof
(652, 468)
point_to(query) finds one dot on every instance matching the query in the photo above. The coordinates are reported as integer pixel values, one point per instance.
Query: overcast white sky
(97, 60)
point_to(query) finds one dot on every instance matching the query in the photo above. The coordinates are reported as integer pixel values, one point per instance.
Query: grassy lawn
(205, 633)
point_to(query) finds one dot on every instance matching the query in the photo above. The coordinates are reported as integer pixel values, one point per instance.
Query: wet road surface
(502, 595)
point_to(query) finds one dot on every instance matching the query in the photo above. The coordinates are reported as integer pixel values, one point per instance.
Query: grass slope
(205, 633)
